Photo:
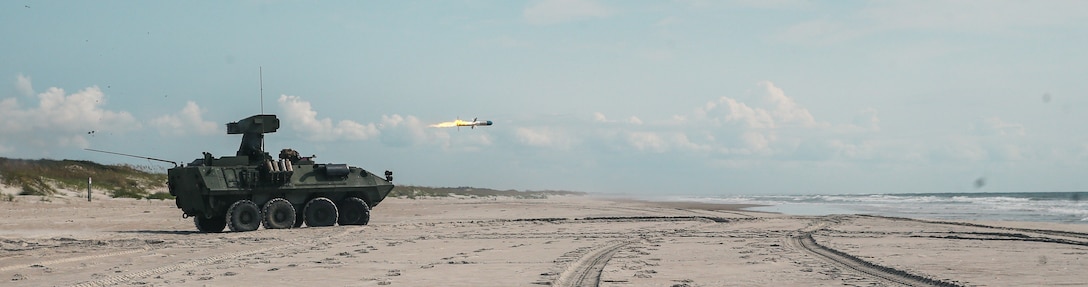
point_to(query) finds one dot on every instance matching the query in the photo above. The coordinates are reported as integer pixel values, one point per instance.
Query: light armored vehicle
(252, 188)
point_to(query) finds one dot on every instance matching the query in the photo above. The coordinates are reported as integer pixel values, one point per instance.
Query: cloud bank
(301, 117)
(58, 120)
(764, 127)
(188, 121)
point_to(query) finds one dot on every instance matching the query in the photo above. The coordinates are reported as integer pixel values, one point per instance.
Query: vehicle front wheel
(353, 211)
(320, 212)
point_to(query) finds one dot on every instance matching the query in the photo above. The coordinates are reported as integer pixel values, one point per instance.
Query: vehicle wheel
(279, 214)
(353, 211)
(320, 212)
(243, 215)
(299, 218)
(210, 225)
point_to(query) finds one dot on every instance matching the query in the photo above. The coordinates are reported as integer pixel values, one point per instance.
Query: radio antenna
(260, 73)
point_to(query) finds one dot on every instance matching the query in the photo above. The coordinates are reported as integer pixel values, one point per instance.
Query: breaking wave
(1065, 207)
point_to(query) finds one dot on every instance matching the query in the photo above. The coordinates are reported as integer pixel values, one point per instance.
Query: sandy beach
(559, 241)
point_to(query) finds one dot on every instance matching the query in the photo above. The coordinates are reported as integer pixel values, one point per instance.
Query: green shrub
(33, 175)
(160, 196)
(37, 188)
(128, 192)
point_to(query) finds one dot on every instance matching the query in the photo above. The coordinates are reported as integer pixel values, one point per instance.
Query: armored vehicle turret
(252, 188)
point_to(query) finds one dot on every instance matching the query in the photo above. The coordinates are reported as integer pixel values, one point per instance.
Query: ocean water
(1063, 207)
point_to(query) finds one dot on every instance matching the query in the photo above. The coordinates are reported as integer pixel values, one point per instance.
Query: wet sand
(560, 241)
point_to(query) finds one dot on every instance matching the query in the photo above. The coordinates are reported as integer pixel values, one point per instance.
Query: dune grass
(43, 177)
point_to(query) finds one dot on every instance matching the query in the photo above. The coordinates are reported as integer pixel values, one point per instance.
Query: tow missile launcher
(252, 188)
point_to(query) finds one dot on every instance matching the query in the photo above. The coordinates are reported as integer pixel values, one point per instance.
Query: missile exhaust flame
(444, 125)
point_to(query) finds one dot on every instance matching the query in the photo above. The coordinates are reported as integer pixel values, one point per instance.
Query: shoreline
(684, 204)
(1051, 207)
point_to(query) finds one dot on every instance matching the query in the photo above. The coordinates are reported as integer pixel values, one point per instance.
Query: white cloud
(73, 141)
(470, 142)
(853, 151)
(402, 131)
(996, 126)
(60, 119)
(10, 114)
(558, 11)
(23, 86)
(757, 141)
(670, 141)
(647, 141)
(392, 130)
(544, 137)
(753, 117)
(186, 122)
(599, 117)
(683, 142)
(786, 110)
(396, 120)
(767, 125)
(303, 119)
(70, 112)
(775, 110)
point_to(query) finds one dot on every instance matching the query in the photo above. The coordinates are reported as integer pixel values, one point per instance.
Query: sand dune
(561, 241)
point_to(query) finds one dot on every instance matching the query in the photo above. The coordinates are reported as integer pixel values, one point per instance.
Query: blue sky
(643, 97)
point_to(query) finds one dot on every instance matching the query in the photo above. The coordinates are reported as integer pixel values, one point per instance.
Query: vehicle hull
(208, 191)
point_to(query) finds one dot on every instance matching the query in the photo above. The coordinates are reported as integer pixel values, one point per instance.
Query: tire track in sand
(804, 241)
(173, 267)
(74, 259)
(587, 270)
(149, 245)
(1051, 236)
(113, 280)
(807, 243)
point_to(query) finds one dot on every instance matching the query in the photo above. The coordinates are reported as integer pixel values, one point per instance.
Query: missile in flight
(474, 123)
(459, 123)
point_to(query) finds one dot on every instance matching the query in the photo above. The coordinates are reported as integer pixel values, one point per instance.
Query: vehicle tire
(279, 214)
(353, 211)
(243, 215)
(299, 218)
(320, 212)
(210, 225)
